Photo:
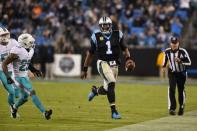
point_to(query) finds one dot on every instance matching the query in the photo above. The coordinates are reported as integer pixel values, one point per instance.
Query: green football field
(137, 102)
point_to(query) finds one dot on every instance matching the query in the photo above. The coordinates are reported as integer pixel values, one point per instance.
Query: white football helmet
(26, 40)
(4, 35)
(105, 25)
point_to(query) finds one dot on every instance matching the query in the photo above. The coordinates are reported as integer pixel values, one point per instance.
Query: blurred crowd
(65, 26)
(68, 24)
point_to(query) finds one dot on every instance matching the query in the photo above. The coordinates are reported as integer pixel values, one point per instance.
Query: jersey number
(109, 51)
(24, 65)
(3, 56)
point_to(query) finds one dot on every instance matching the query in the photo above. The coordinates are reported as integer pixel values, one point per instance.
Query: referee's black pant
(176, 79)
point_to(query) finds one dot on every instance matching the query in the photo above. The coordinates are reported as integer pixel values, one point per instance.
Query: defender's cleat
(116, 115)
(48, 114)
(93, 93)
(172, 112)
(181, 111)
(13, 112)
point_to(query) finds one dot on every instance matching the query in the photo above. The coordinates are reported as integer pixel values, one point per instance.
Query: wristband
(85, 69)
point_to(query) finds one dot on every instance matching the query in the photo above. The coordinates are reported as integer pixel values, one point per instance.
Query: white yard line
(188, 122)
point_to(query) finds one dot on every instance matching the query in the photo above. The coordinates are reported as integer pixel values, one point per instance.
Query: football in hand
(130, 65)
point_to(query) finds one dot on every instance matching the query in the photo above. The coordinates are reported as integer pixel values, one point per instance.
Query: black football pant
(176, 79)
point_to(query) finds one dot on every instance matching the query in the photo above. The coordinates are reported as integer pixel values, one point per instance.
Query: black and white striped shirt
(174, 66)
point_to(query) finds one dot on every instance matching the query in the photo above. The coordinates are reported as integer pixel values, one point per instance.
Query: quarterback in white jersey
(6, 44)
(21, 56)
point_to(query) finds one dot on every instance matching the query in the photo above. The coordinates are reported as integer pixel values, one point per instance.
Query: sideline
(188, 122)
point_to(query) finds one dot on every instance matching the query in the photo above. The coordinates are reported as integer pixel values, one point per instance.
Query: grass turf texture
(72, 111)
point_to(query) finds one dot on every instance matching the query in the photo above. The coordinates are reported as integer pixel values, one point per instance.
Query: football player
(107, 44)
(21, 57)
(6, 43)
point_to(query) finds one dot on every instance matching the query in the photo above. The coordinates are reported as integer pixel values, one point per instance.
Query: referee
(178, 60)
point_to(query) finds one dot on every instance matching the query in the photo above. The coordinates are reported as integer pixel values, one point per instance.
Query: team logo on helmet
(105, 25)
(26, 40)
(4, 35)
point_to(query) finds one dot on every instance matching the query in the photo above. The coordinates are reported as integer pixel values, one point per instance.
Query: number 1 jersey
(107, 47)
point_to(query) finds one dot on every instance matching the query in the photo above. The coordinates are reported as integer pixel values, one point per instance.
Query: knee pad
(33, 92)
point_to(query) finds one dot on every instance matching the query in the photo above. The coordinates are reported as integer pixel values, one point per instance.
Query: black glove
(37, 73)
(84, 72)
(10, 80)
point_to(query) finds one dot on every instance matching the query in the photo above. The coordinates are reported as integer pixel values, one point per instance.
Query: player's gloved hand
(10, 80)
(37, 73)
(129, 64)
(84, 73)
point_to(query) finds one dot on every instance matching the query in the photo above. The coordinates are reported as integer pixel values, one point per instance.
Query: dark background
(145, 60)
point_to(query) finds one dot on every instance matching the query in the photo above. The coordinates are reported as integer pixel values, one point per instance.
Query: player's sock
(113, 107)
(16, 90)
(11, 99)
(111, 92)
(101, 91)
(20, 102)
(38, 104)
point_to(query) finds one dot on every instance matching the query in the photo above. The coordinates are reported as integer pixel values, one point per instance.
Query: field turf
(72, 111)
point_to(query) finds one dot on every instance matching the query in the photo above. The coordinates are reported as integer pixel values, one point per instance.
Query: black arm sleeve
(123, 46)
(32, 68)
(93, 47)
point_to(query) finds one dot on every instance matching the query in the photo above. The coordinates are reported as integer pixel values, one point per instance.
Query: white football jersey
(4, 52)
(22, 63)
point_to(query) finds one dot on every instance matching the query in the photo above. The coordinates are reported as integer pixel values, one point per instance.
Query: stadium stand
(73, 21)
(67, 25)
